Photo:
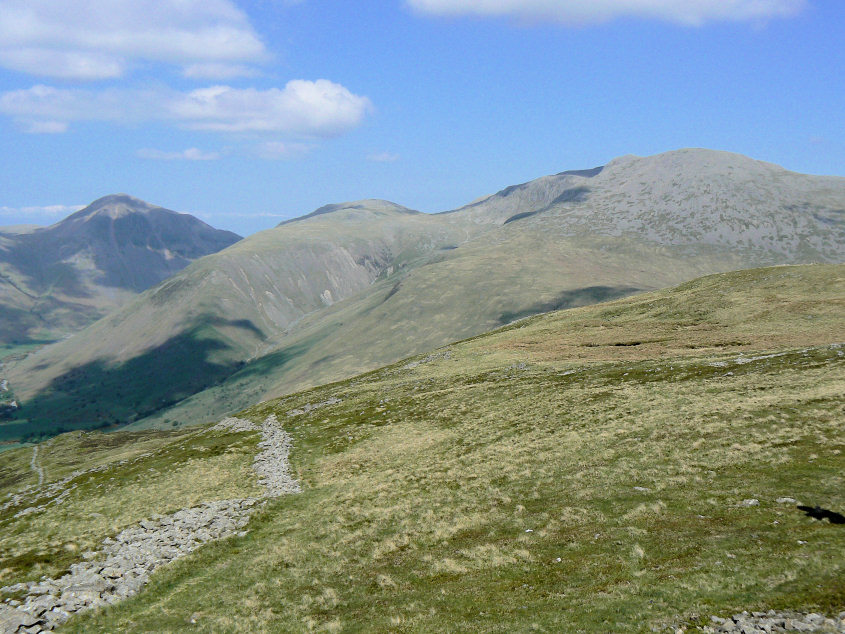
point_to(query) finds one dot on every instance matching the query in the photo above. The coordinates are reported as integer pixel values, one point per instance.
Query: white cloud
(100, 39)
(383, 157)
(50, 210)
(302, 108)
(62, 64)
(309, 108)
(218, 71)
(45, 105)
(44, 127)
(191, 154)
(689, 12)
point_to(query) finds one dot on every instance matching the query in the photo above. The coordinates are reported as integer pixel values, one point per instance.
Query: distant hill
(57, 279)
(357, 285)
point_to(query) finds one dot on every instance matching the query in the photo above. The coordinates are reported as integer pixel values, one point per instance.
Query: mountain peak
(113, 206)
(693, 158)
(373, 205)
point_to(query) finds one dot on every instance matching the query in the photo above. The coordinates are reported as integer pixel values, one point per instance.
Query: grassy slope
(466, 291)
(143, 473)
(203, 323)
(638, 224)
(492, 488)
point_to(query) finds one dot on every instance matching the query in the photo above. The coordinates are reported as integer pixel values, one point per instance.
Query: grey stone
(133, 554)
(41, 605)
(11, 620)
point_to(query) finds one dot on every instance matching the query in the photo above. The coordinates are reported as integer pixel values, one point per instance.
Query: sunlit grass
(142, 474)
(512, 486)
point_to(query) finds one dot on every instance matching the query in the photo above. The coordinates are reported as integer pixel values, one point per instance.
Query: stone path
(124, 563)
(771, 621)
(35, 467)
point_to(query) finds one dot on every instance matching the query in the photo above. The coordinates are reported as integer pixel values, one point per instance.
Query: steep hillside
(628, 466)
(353, 286)
(57, 279)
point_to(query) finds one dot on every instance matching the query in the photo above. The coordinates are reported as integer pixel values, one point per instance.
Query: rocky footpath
(271, 464)
(310, 407)
(771, 621)
(53, 493)
(124, 563)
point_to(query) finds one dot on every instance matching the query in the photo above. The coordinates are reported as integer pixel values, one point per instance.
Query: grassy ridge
(577, 471)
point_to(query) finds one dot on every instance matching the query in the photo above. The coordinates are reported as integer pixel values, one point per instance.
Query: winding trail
(123, 564)
(35, 467)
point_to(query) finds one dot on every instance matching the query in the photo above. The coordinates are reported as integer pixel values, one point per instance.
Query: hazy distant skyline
(247, 113)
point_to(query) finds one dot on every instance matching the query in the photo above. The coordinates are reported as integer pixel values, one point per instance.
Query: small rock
(751, 502)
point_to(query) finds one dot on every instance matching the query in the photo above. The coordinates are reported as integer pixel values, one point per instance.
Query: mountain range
(353, 286)
(55, 280)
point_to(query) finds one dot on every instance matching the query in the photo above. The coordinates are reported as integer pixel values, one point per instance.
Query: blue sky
(247, 113)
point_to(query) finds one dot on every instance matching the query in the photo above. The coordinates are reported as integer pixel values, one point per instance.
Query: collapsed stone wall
(124, 563)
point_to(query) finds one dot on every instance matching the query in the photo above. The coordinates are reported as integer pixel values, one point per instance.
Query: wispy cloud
(240, 214)
(102, 39)
(383, 157)
(313, 109)
(48, 210)
(191, 154)
(688, 12)
(43, 127)
(277, 150)
(217, 71)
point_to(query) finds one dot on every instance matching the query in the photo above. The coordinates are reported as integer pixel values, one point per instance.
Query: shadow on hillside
(818, 513)
(572, 299)
(272, 364)
(571, 195)
(16, 325)
(43, 268)
(100, 395)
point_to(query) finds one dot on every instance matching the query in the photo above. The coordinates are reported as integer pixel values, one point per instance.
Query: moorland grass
(543, 477)
(506, 484)
(139, 474)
